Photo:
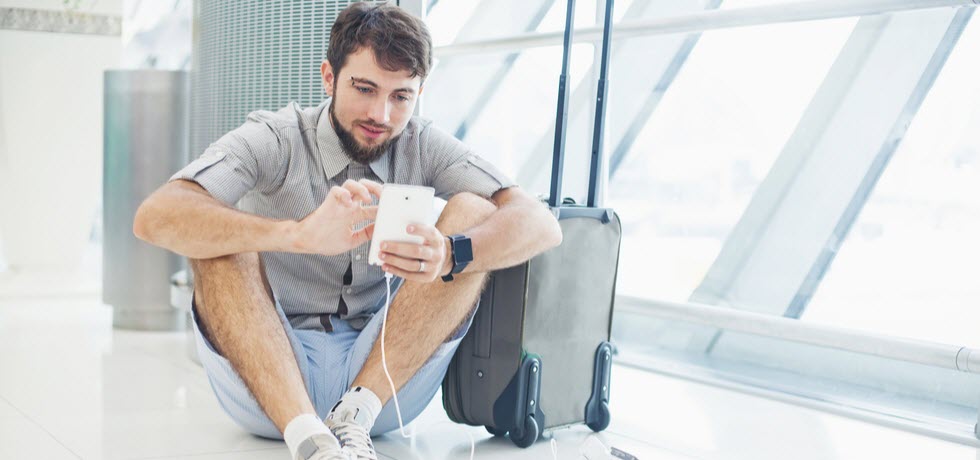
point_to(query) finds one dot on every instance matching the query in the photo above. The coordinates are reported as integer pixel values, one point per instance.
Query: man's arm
(183, 217)
(521, 228)
(518, 229)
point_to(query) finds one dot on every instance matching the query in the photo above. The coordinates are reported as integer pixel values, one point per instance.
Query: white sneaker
(354, 439)
(322, 447)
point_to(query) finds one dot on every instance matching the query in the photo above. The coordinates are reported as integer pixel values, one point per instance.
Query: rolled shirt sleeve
(453, 167)
(250, 157)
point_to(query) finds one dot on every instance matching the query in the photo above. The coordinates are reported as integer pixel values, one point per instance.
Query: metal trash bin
(181, 298)
(146, 116)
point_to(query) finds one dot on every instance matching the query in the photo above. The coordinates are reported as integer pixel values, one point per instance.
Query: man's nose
(380, 111)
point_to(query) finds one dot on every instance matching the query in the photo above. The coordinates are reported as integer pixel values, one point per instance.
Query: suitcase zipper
(453, 397)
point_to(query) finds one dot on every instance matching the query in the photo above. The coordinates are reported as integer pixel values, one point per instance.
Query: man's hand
(417, 262)
(329, 230)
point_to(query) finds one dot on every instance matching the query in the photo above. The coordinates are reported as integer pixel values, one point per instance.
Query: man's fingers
(404, 263)
(408, 250)
(430, 233)
(363, 235)
(340, 194)
(369, 213)
(372, 186)
(408, 275)
(369, 230)
(358, 191)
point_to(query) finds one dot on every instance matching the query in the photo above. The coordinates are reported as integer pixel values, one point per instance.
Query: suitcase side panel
(569, 313)
(489, 355)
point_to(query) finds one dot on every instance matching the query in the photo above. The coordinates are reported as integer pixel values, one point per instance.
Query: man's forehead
(363, 67)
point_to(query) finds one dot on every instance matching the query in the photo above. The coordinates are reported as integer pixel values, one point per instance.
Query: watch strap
(458, 266)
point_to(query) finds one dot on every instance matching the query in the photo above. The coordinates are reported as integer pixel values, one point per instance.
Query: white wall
(51, 139)
(108, 7)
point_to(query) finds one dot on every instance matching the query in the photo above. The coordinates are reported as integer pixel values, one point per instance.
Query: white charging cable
(391, 382)
(384, 361)
(394, 393)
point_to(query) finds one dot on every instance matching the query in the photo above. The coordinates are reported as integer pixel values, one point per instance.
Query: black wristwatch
(462, 253)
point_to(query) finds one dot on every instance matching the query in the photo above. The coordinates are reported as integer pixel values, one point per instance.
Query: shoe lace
(354, 439)
(326, 452)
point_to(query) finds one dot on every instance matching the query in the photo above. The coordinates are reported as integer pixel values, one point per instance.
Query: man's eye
(363, 89)
(402, 98)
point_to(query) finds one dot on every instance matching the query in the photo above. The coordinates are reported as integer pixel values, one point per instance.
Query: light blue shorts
(329, 363)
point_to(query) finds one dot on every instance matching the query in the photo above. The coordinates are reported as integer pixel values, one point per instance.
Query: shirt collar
(332, 153)
(381, 165)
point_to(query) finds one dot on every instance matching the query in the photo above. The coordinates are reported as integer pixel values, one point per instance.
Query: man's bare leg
(423, 315)
(236, 309)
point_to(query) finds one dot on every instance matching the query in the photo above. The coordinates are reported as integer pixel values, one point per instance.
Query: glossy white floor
(72, 387)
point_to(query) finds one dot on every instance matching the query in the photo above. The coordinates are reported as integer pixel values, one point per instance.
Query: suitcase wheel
(495, 431)
(601, 420)
(528, 435)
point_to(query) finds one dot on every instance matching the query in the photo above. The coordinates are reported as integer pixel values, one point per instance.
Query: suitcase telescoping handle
(558, 158)
(561, 122)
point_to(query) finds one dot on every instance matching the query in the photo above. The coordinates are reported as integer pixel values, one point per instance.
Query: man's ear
(326, 73)
(422, 87)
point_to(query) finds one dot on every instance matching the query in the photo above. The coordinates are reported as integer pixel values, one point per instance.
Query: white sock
(359, 405)
(304, 427)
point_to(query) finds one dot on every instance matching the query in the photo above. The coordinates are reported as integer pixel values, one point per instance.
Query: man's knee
(229, 272)
(464, 211)
(230, 264)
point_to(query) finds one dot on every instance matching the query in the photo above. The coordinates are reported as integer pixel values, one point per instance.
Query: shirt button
(357, 257)
(348, 291)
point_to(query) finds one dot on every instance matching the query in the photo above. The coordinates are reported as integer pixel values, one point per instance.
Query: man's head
(377, 61)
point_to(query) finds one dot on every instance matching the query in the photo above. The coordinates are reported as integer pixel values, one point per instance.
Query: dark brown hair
(399, 40)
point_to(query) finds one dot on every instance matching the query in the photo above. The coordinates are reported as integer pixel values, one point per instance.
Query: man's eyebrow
(365, 81)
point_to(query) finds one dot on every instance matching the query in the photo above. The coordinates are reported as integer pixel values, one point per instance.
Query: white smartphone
(399, 207)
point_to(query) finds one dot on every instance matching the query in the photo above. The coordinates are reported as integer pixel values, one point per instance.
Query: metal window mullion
(954, 357)
(658, 60)
(706, 20)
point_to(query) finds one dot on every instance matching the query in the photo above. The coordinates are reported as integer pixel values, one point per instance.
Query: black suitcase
(538, 355)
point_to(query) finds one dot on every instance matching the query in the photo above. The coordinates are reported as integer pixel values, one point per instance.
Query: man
(286, 309)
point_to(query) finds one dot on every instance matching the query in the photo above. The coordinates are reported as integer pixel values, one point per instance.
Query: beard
(351, 147)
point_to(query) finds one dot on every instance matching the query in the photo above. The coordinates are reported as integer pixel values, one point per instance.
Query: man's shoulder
(430, 134)
(418, 125)
(292, 116)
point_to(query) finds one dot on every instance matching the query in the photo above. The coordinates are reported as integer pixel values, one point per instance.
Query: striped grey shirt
(282, 164)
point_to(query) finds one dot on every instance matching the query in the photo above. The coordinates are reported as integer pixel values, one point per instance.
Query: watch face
(463, 251)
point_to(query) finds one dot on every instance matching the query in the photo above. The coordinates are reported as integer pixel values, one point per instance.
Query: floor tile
(281, 453)
(21, 438)
(71, 386)
(8, 411)
(148, 434)
(439, 438)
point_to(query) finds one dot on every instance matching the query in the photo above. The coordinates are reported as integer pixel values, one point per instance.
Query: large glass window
(909, 264)
(700, 156)
(503, 104)
(738, 160)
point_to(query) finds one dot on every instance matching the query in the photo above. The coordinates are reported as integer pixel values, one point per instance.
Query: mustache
(373, 125)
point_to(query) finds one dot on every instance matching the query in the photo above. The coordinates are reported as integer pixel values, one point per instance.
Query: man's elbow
(149, 215)
(552, 234)
(141, 222)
